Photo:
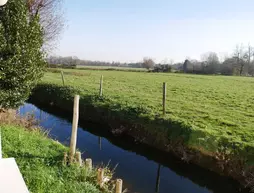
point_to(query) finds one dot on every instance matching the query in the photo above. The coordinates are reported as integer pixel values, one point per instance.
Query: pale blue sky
(128, 30)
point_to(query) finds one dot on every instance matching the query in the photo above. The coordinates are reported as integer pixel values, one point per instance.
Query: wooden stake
(119, 186)
(78, 158)
(74, 128)
(63, 78)
(89, 164)
(65, 159)
(164, 97)
(101, 86)
(100, 176)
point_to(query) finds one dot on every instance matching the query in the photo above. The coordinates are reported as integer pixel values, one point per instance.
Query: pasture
(211, 111)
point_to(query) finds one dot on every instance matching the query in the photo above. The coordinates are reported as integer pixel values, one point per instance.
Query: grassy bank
(40, 161)
(208, 114)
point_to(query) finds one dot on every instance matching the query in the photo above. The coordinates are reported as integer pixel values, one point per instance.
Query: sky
(128, 30)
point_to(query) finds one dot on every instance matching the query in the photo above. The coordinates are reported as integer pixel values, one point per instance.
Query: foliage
(162, 68)
(210, 63)
(21, 58)
(65, 61)
(240, 63)
(202, 110)
(148, 63)
(227, 67)
(187, 66)
(40, 162)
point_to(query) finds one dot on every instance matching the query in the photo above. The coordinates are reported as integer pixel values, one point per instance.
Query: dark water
(143, 169)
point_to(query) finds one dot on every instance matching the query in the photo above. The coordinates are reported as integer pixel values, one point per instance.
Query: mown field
(210, 111)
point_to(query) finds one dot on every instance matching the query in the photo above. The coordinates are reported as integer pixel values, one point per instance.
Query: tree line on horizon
(73, 61)
(241, 63)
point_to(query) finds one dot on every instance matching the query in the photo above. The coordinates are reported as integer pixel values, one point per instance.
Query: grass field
(210, 110)
(40, 161)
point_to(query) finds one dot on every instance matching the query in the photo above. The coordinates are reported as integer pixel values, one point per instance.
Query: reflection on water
(139, 172)
(157, 189)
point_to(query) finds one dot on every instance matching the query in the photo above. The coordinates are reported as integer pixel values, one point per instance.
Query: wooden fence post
(100, 176)
(89, 164)
(65, 158)
(119, 186)
(101, 86)
(164, 97)
(78, 158)
(74, 127)
(63, 78)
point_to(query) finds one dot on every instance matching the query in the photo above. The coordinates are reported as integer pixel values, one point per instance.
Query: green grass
(209, 111)
(40, 162)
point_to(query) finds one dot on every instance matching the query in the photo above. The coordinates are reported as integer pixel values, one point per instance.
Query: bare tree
(247, 56)
(51, 19)
(240, 56)
(148, 63)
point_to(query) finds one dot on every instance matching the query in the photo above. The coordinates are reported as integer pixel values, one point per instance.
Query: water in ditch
(143, 169)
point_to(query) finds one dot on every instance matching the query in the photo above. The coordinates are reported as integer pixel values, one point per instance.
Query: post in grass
(100, 176)
(101, 86)
(164, 97)
(78, 158)
(89, 164)
(62, 74)
(74, 128)
(119, 186)
(65, 159)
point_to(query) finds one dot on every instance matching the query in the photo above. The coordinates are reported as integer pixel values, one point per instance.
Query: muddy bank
(124, 127)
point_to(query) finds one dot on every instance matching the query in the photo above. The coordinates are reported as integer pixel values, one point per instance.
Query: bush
(21, 59)
(162, 68)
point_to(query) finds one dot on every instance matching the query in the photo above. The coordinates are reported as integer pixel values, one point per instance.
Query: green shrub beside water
(21, 58)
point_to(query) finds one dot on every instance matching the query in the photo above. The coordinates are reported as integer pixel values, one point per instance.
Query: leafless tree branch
(51, 18)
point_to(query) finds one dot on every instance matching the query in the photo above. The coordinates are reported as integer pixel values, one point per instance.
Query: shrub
(21, 57)
(162, 68)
